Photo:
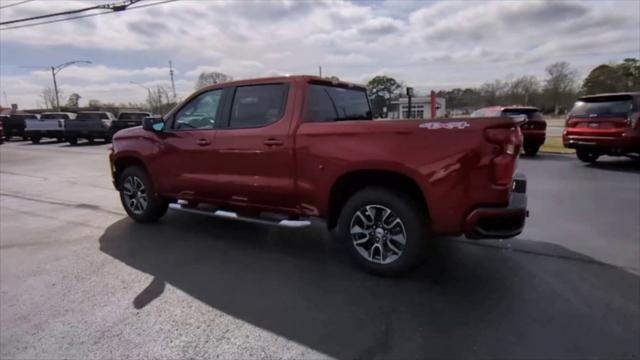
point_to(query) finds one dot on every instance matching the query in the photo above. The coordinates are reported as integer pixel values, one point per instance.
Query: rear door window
(331, 103)
(258, 105)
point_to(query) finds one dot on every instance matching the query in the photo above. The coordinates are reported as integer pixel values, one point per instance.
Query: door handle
(203, 142)
(273, 142)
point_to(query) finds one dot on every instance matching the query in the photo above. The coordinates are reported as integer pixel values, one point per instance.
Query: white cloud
(437, 44)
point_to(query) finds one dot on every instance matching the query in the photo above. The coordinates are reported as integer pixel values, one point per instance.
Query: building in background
(420, 108)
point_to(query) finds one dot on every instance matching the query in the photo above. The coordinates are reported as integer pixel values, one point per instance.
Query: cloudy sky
(430, 45)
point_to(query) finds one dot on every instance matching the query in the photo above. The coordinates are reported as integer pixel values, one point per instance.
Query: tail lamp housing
(508, 142)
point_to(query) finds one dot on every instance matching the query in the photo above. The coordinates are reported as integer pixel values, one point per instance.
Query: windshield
(92, 116)
(54, 116)
(603, 107)
(133, 116)
(530, 113)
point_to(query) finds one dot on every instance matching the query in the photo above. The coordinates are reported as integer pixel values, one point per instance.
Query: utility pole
(56, 69)
(320, 70)
(6, 102)
(173, 84)
(409, 95)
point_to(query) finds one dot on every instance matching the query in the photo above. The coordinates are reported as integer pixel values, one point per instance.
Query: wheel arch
(349, 183)
(124, 162)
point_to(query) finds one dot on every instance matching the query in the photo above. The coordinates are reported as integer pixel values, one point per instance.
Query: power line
(14, 4)
(50, 15)
(85, 16)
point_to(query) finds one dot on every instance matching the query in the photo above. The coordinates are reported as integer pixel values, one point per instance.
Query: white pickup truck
(50, 125)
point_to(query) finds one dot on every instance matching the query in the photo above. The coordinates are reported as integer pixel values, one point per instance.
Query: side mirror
(153, 124)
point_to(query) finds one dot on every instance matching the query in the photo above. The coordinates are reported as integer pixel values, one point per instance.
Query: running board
(231, 215)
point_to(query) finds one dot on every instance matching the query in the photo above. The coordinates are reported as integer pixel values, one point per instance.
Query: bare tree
(48, 97)
(521, 89)
(211, 78)
(158, 99)
(493, 92)
(560, 85)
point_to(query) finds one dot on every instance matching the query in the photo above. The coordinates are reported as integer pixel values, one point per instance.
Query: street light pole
(56, 69)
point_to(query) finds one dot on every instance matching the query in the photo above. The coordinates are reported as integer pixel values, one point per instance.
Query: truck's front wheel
(385, 231)
(138, 198)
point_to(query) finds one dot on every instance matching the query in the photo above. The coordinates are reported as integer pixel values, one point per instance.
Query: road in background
(78, 279)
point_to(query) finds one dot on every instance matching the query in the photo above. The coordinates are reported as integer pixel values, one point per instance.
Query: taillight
(509, 142)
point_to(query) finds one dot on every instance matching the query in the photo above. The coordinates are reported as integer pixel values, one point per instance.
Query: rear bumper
(46, 133)
(605, 141)
(503, 222)
(84, 134)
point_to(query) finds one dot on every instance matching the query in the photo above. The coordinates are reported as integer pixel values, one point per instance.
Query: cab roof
(264, 80)
(628, 93)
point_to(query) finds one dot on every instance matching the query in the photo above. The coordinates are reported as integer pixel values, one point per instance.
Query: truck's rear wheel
(35, 139)
(138, 198)
(385, 230)
(587, 155)
(72, 140)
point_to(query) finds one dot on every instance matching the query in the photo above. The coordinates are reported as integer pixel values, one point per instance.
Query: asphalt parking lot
(78, 279)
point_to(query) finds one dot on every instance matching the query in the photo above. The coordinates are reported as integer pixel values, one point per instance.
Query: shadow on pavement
(549, 156)
(471, 301)
(617, 164)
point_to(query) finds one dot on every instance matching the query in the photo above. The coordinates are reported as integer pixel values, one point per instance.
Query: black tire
(531, 150)
(91, 140)
(412, 223)
(587, 155)
(155, 207)
(72, 140)
(25, 138)
(35, 140)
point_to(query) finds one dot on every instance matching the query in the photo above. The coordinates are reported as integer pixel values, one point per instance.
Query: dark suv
(534, 129)
(604, 124)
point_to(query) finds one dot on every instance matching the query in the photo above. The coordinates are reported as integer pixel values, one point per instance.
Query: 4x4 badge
(445, 125)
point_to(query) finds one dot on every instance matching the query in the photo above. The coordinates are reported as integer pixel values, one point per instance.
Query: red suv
(534, 130)
(604, 124)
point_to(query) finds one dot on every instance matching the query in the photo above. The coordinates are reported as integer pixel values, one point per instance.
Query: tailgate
(84, 125)
(50, 124)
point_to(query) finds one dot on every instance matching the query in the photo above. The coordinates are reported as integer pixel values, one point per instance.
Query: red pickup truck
(604, 124)
(288, 149)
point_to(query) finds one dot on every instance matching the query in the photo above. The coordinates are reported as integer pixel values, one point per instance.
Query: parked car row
(67, 126)
(603, 124)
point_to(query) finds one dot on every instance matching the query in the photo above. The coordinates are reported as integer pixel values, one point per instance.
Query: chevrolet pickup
(285, 150)
(14, 125)
(50, 125)
(89, 125)
(604, 124)
(127, 119)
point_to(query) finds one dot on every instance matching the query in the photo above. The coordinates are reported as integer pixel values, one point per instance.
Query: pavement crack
(584, 259)
(61, 203)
